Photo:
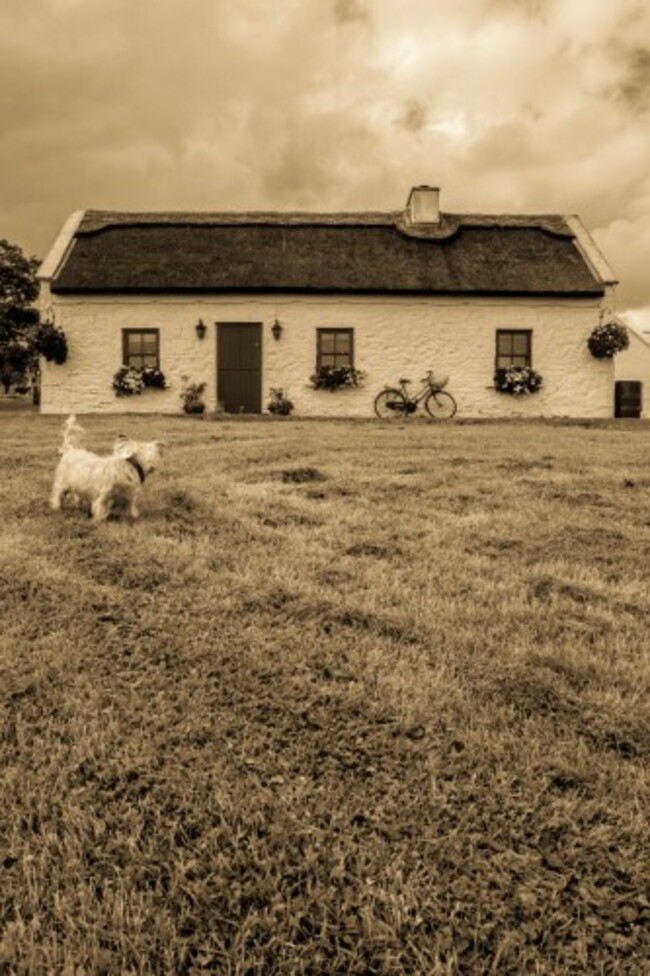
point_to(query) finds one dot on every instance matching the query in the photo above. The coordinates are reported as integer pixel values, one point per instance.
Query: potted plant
(336, 377)
(192, 397)
(279, 404)
(517, 380)
(607, 339)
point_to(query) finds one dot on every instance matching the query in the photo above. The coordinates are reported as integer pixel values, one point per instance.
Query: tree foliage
(18, 316)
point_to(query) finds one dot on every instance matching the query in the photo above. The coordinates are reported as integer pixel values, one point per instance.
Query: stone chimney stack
(423, 205)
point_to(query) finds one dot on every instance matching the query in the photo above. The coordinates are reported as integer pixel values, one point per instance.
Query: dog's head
(146, 453)
(72, 432)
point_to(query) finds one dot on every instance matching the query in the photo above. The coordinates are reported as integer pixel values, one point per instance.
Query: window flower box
(517, 380)
(129, 381)
(336, 378)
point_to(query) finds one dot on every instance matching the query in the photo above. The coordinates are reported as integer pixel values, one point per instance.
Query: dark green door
(239, 366)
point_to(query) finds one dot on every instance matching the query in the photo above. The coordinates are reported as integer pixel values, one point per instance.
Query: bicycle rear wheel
(440, 405)
(390, 405)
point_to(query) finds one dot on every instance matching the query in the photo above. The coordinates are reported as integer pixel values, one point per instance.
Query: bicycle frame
(429, 387)
(438, 403)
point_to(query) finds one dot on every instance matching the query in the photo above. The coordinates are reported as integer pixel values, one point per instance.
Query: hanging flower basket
(607, 339)
(336, 377)
(51, 343)
(517, 380)
(129, 381)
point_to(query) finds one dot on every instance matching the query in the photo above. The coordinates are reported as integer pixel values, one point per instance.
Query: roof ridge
(95, 221)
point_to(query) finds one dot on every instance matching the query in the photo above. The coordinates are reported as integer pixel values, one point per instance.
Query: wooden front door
(239, 366)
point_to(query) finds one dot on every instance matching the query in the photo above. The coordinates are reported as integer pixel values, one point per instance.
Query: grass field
(350, 698)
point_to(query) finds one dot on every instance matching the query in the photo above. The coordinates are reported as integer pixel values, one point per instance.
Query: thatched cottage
(246, 302)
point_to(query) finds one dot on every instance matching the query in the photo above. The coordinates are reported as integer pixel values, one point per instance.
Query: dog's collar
(133, 461)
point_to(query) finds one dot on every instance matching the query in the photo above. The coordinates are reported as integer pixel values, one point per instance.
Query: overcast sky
(521, 106)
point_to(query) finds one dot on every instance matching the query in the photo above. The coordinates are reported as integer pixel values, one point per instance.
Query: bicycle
(438, 403)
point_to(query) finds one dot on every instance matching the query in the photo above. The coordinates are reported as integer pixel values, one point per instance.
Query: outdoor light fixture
(200, 329)
(276, 329)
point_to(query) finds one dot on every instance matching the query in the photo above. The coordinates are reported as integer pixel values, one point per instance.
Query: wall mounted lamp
(200, 329)
(276, 329)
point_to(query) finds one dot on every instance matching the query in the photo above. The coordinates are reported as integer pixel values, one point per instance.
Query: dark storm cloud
(635, 90)
(351, 11)
(414, 118)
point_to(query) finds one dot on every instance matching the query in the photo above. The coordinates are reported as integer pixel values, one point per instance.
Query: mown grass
(349, 698)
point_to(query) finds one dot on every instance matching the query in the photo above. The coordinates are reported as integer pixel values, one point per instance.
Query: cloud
(635, 89)
(414, 117)
(626, 243)
(351, 12)
(508, 106)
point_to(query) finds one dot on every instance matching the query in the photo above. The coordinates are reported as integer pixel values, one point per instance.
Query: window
(334, 348)
(514, 347)
(141, 347)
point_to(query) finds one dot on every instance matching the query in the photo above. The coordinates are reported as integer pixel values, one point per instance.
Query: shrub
(51, 343)
(607, 339)
(517, 380)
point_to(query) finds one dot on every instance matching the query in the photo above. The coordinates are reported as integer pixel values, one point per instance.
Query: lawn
(350, 698)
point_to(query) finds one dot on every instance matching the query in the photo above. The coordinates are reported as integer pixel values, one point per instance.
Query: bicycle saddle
(405, 381)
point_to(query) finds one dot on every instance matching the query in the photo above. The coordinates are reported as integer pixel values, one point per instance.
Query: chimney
(423, 205)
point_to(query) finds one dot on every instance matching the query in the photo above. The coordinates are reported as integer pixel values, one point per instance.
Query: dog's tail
(71, 432)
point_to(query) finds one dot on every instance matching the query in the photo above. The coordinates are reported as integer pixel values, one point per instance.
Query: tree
(18, 317)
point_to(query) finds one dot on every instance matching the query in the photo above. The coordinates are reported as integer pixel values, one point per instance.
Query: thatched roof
(349, 252)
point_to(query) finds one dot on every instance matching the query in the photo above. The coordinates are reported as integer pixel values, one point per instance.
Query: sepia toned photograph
(325, 495)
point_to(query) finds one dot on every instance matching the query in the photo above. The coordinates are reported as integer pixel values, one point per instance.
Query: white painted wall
(393, 337)
(634, 364)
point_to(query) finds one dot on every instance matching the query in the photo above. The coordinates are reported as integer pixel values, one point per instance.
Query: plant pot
(195, 408)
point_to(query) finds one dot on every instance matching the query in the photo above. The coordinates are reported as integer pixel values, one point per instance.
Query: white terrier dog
(102, 482)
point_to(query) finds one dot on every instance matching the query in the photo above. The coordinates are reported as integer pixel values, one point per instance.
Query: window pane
(504, 344)
(520, 344)
(513, 348)
(335, 347)
(132, 343)
(141, 348)
(342, 342)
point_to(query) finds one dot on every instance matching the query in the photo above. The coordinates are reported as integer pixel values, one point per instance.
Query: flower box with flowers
(129, 381)
(336, 377)
(517, 380)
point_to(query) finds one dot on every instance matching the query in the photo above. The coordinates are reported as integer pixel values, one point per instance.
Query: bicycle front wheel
(440, 405)
(390, 405)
